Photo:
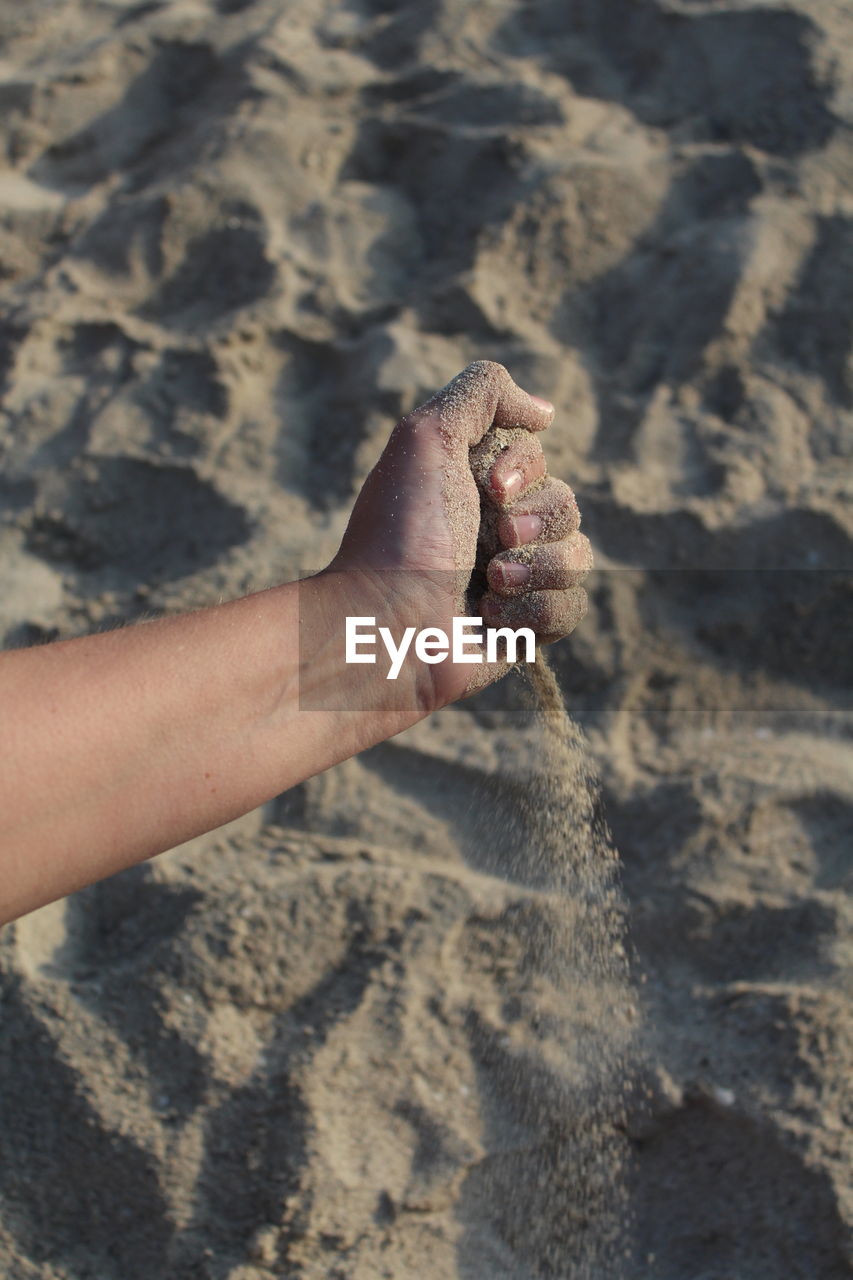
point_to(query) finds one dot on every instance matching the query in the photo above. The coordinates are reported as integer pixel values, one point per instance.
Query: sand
(237, 242)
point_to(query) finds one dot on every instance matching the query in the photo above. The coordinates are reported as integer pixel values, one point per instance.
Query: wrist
(352, 623)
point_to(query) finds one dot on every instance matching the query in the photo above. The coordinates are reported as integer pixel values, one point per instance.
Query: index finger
(483, 396)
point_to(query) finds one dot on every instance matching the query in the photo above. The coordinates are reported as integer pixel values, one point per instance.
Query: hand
(419, 514)
(181, 724)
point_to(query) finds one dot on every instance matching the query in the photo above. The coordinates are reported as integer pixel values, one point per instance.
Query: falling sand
(573, 1081)
(563, 1190)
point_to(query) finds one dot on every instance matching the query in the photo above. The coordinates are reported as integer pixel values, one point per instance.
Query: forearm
(118, 746)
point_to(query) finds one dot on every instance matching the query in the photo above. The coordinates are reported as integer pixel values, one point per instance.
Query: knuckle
(543, 565)
(536, 610)
(530, 456)
(579, 553)
(569, 607)
(553, 613)
(564, 556)
(492, 367)
(564, 492)
(413, 418)
(559, 524)
(523, 449)
(419, 422)
(490, 371)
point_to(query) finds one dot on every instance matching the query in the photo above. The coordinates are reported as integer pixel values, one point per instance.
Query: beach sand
(237, 241)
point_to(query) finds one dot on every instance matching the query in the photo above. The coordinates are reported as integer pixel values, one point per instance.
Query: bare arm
(118, 746)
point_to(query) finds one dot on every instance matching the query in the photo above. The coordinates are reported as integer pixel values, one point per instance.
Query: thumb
(480, 397)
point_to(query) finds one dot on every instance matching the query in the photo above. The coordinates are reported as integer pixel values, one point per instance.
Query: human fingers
(547, 514)
(548, 565)
(482, 396)
(550, 614)
(518, 466)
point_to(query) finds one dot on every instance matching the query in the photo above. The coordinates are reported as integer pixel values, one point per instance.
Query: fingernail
(526, 528)
(511, 483)
(512, 575)
(542, 403)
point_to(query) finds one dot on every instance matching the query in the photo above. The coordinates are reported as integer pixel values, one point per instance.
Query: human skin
(120, 745)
